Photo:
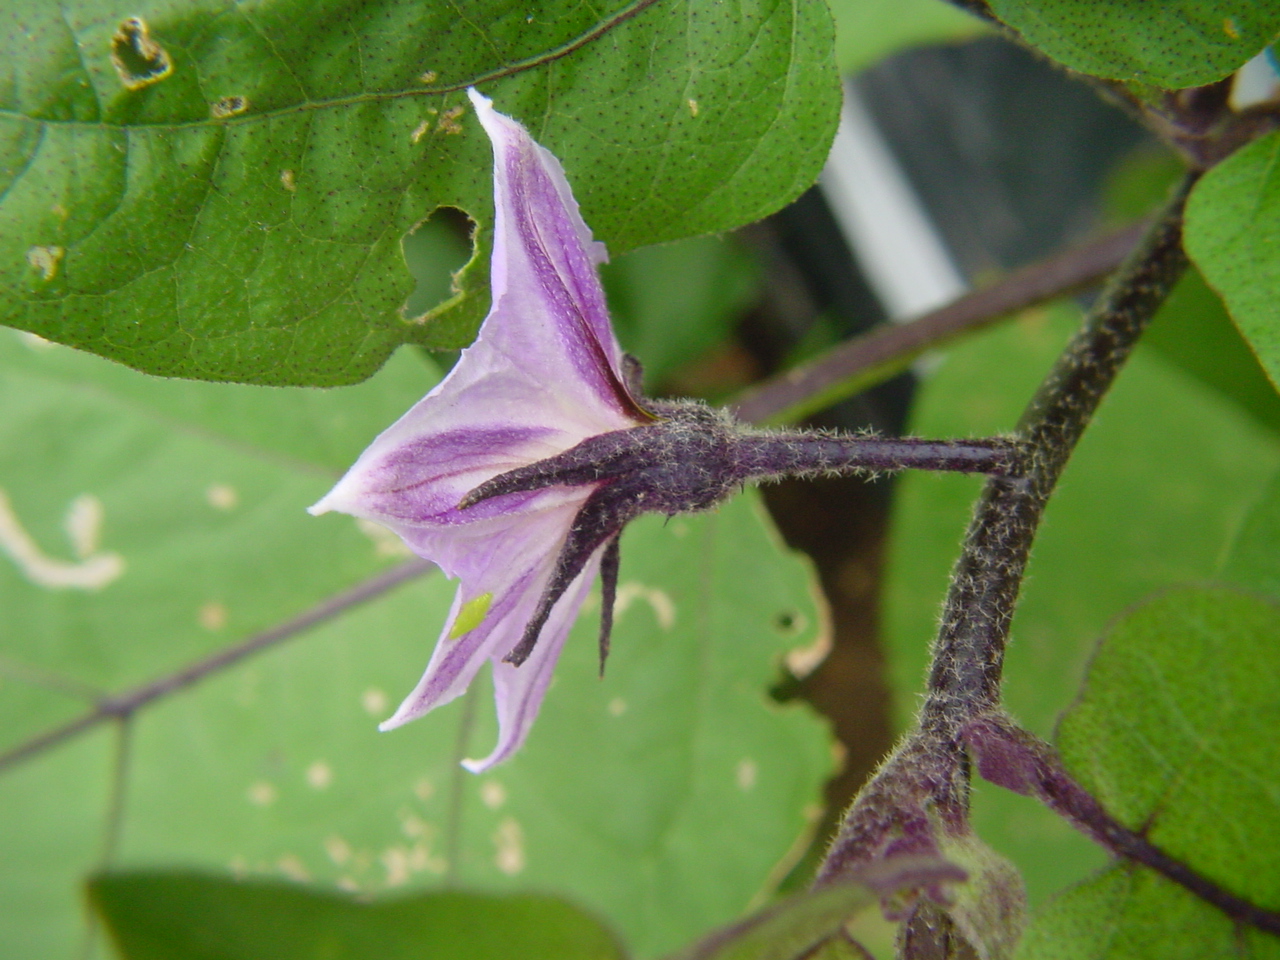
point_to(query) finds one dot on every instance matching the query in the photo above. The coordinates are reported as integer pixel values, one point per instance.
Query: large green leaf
(1171, 44)
(177, 916)
(1132, 914)
(1174, 734)
(666, 796)
(234, 210)
(1233, 234)
(1134, 513)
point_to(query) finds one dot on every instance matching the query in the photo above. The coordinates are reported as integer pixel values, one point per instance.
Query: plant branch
(924, 785)
(969, 653)
(124, 705)
(862, 362)
(1012, 758)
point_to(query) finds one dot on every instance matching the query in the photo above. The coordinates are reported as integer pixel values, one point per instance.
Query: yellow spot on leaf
(746, 773)
(424, 789)
(493, 794)
(396, 861)
(262, 794)
(1230, 29)
(508, 840)
(228, 107)
(339, 850)
(693, 107)
(617, 707)
(222, 497)
(374, 702)
(664, 611)
(45, 260)
(292, 868)
(449, 120)
(429, 77)
(420, 131)
(319, 775)
(213, 616)
(82, 522)
(138, 59)
(287, 180)
(471, 615)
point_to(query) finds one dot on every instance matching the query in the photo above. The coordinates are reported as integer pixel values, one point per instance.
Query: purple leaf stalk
(517, 473)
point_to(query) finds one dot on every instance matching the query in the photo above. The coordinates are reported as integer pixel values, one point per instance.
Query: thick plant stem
(812, 454)
(964, 677)
(924, 785)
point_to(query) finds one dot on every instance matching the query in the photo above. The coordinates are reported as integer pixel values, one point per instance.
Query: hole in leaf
(434, 251)
(138, 59)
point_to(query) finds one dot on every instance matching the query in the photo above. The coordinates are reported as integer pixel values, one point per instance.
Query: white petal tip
(479, 100)
(476, 766)
(317, 508)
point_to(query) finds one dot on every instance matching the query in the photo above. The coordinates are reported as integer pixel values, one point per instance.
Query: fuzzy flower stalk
(517, 473)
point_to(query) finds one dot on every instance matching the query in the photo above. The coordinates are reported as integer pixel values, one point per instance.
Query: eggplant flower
(544, 374)
(517, 473)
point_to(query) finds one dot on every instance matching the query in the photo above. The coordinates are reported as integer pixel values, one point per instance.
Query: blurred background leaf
(166, 916)
(237, 212)
(667, 797)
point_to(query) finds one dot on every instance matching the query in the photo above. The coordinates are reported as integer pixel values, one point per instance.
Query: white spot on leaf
(287, 181)
(693, 107)
(93, 571)
(664, 611)
(493, 794)
(508, 840)
(45, 259)
(420, 131)
(617, 707)
(339, 850)
(212, 616)
(319, 775)
(396, 862)
(222, 496)
(262, 794)
(424, 789)
(745, 775)
(292, 868)
(374, 702)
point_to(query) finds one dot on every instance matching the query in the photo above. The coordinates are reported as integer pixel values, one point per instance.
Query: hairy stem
(924, 784)
(968, 656)
(813, 454)
(876, 356)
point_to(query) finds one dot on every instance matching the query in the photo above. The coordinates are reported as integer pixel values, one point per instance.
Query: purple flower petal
(544, 374)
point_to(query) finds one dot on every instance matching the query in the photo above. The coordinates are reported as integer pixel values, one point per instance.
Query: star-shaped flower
(544, 374)
(517, 473)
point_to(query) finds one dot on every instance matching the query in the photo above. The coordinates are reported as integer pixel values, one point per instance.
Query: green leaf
(1133, 914)
(1171, 44)
(186, 916)
(787, 930)
(1173, 733)
(1233, 234)
(665, 797)
(1254, 559)
(1135, 513)
(240, 215)
(867, 31)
